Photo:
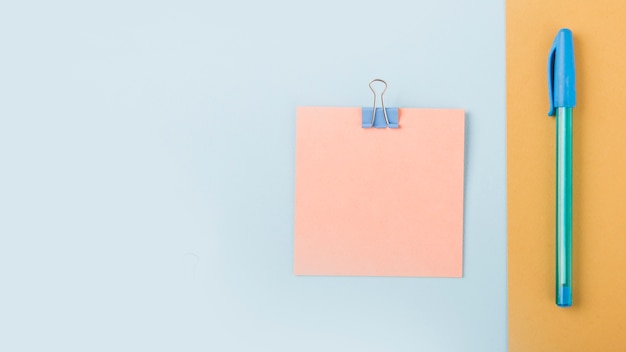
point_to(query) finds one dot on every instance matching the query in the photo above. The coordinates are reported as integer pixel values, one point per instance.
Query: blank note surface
(379, 202)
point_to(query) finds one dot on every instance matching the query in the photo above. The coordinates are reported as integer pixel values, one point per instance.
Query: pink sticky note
(379, 202)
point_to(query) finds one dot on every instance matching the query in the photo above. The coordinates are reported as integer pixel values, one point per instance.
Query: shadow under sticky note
(379, 202)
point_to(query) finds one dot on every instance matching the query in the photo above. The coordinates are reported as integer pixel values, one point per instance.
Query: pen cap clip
(561, 72)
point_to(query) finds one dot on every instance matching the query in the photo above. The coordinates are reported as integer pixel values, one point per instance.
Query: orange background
(597, 320)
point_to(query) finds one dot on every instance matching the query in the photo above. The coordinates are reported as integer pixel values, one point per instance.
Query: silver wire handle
(382, 101)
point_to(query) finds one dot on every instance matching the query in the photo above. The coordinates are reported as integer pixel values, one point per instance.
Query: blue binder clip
(379, 117)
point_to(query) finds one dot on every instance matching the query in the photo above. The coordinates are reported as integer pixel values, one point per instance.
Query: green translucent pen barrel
(564, 207)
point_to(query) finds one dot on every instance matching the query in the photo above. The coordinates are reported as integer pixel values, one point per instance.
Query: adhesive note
(597, 319)
(379, 201)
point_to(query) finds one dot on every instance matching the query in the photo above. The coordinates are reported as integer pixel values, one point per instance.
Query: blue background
(147, 173)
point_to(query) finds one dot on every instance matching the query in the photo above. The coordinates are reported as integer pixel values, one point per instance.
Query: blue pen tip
(564, 296)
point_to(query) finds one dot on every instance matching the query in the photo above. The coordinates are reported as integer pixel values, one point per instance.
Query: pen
(562, 93)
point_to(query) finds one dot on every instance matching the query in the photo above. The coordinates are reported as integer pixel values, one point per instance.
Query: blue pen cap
(561, 72)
